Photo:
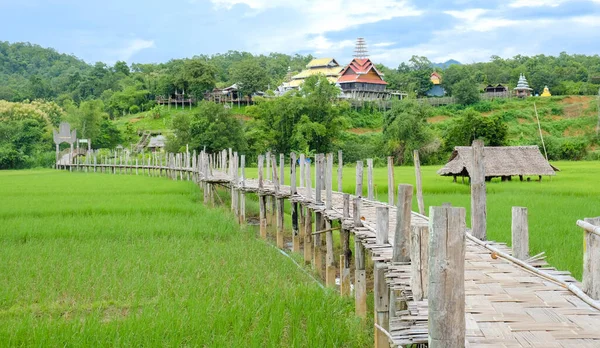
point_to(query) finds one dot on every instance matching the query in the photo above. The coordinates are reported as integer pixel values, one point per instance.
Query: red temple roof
(361, 70)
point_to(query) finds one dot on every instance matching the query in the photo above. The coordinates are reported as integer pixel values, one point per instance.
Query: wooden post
(329, 182)
(370, 191)
(520, 233)
(359, 179)
(294, 204)
(302, 175)
(242, 191)
(380, 288)
(401, 247)
(340, 172)
(318, 179)
(261, 199)
(346, 252)
(330, 271)
(478, 204)
(390, 162)
(419, 254)
(280, 221)
(446, 293)
(360, 280)
(317, 252)
(420, 202)
(308, 236)
(281, 169)
(591, 261)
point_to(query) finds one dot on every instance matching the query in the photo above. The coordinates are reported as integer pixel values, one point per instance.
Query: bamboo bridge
(435, 282)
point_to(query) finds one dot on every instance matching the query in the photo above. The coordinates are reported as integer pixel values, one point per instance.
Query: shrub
(134, 109)
(483, 106)
(557, 110)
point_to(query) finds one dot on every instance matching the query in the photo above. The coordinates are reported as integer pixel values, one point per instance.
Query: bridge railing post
(446, 288)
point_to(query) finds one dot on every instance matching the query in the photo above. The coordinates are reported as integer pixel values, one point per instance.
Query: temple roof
(361, 72)
(322, 62)
(522, 84)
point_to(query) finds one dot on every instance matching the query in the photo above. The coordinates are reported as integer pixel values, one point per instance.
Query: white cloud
(383, 44)
(536, 3)
(134, 46)
(317, 18)
(468, 15)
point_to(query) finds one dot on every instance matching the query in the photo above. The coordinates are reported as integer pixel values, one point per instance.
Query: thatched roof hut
(503, 161)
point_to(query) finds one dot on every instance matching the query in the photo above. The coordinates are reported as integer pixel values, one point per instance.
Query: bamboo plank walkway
(506, 304)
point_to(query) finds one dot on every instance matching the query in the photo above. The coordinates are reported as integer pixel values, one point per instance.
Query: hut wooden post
(419, 254)
(446, 293)
(359, 179)
(360, 273)
(520, 233)
(390, 163)
(591, 261)
(340, 172)
(420, 202)
(261, 199)
(478, 204)
(294, 204)
(370, 189)
(346, 253)
(381, 291)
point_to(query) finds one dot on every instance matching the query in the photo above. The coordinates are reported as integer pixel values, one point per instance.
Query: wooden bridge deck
(506, 304)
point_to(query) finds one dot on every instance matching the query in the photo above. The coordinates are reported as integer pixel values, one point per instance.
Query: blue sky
(146, 31)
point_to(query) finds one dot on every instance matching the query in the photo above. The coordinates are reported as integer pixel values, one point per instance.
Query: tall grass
(109, 260)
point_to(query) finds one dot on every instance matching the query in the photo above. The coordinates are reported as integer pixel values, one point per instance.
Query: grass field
(103, 260)
(554, 205)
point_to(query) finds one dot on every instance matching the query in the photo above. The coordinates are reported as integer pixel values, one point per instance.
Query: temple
(522, 90)
(325, 66)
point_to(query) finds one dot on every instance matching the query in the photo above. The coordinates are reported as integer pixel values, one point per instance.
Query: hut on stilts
(500, 162)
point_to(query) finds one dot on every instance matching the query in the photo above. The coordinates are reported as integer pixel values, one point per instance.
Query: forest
(39, 87)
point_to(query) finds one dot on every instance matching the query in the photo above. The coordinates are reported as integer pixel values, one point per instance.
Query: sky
(152, 31)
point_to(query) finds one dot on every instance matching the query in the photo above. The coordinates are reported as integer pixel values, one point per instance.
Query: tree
(87, 119)
(471, 125)
(195, 76)
(121, 67)
(212, 127)
(405, 129)
(250, 76)
(466, 92)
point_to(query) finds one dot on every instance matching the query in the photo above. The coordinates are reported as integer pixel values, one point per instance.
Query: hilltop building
(437, 90)
(523, 90)
(436, 78)
(325, 66)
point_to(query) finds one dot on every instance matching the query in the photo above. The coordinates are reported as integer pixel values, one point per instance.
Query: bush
(573, 149)
(557, 110)
(483, 106)
(134, 109)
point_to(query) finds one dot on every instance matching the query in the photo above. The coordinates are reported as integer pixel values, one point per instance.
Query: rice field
(554, 205)
(115, 260)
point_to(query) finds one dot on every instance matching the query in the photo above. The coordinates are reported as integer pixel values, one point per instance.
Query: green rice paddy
(115, 260)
